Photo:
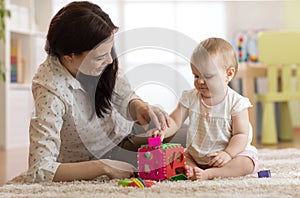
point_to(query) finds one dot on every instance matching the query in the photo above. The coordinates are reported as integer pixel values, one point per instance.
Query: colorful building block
(136, 182)
(154, 141)
(160, 162)
(264, 173)
(178, 177)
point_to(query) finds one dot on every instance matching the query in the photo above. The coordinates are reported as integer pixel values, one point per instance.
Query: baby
(219, 134)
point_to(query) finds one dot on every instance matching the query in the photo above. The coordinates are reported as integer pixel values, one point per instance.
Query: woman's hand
(118, 169)
(219, 159)
(156, 133)
(143, 113)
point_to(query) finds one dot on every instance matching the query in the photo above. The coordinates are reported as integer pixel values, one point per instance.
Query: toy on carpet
(178, 177)
(264, 173)
(157, 161)
(136, 182)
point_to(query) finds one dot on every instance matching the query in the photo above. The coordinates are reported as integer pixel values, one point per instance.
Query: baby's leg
(192, 171)
(238, 166)
(189, 168)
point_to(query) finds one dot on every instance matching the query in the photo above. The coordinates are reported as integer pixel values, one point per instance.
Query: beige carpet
(285, 182)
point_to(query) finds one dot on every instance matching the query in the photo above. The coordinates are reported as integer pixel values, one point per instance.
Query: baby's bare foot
(189, 172)
(199, 174)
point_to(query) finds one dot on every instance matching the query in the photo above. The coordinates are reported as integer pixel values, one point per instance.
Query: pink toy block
(160, 162)
(154, 141)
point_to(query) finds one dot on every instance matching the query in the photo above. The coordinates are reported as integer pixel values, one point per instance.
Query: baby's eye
(208, 76)
(196, 77)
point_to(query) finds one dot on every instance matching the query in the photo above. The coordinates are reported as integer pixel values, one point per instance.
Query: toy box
(157, 161)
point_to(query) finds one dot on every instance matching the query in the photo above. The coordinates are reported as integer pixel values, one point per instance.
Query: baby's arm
(240, 133)
(177, 117)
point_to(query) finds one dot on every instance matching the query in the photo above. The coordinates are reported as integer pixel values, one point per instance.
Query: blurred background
(170, 72)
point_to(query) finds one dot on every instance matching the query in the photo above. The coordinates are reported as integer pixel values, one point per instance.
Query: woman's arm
(143, 113)
(132, 107)
(92, 169)
(177, 118)
(45, 140)
(122, 95)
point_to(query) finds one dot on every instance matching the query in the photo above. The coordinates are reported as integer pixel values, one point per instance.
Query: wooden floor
(14, 162)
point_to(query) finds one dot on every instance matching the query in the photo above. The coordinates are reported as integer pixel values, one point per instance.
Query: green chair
(280, 52)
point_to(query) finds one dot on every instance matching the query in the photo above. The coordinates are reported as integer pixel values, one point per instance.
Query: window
(166, 71)
(155, 63)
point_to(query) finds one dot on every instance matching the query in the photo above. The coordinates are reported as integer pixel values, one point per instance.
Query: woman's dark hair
(79, 27)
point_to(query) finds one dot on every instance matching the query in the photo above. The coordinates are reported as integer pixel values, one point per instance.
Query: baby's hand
(156, 133)
(219, 159)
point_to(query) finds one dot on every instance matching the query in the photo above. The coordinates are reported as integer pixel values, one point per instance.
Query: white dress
(210, 127)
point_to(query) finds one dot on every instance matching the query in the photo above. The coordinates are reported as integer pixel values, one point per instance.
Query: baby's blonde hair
(212, 47)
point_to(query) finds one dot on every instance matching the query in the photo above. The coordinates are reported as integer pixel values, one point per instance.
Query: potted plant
(3, 13)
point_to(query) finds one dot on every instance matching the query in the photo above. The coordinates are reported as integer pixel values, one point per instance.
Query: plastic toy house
(157, 161)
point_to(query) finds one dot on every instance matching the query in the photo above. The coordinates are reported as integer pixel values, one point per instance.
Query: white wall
(248, 15)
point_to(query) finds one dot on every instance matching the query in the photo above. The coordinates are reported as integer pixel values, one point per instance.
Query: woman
(84, 110)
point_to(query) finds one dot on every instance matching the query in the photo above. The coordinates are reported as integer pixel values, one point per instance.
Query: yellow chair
(280, 51)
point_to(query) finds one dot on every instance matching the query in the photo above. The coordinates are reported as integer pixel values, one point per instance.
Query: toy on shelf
(241, 56)
(252, 51)
(136, 182)
(157, 161)
(241, 43)
(264, 173)
(245, 43)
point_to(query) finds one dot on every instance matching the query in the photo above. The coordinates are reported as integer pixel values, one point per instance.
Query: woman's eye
(196, 77)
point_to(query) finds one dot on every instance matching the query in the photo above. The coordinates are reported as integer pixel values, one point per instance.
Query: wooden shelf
(21, 54)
